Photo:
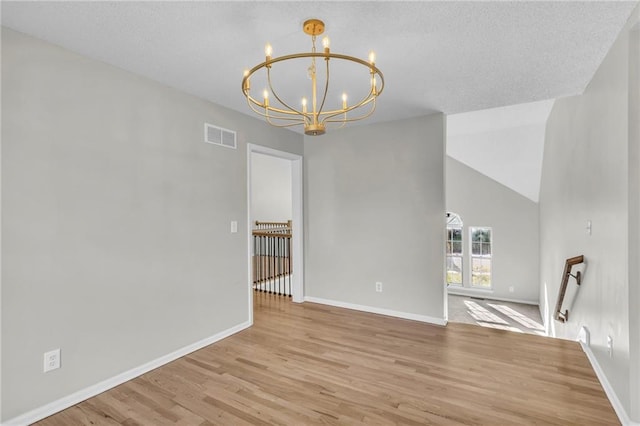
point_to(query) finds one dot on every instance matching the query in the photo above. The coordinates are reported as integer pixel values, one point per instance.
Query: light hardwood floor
(314, 364)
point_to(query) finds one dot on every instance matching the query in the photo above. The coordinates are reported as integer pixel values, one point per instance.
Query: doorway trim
(297, 254)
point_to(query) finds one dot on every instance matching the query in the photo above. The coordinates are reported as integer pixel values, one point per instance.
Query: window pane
(481, 257)
(481, 272)
(449, 247)
(454, 270)
(481, 235)
(457, 247)
(475, 249)
(456, 234)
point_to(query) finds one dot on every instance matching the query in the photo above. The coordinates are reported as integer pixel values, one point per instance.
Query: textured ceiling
(436, 56)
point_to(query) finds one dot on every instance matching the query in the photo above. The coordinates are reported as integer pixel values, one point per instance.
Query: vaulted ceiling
(505, 144)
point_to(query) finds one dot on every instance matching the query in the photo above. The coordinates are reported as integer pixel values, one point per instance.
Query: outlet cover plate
(51, 360)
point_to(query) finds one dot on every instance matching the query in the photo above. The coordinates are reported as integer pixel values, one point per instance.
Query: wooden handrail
(570, 263)
(272, 229)
(281, 233)
(269, 225)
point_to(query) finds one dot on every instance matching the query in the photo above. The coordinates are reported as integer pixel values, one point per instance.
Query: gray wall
(270, 188)
(374, 211)
(115, 228)
(481, 201)
(586, 177)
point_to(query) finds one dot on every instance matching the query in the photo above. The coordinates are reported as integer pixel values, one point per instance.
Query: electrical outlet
(51, 360)
(511, 289)
(588, 227)
(379, 287)
(584, 336)
(610, 346)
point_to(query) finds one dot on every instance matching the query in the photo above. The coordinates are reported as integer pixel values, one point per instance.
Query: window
(480, 257)
(454, 249)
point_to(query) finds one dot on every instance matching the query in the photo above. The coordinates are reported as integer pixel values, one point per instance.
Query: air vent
(218, 136)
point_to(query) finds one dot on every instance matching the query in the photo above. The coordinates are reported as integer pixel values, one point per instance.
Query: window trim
(454, 222)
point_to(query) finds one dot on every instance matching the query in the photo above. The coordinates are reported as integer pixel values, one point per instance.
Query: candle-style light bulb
(268, 50)
(265, 95)
(304, 105)
(344, 101)
(372, 57)
(325, 43)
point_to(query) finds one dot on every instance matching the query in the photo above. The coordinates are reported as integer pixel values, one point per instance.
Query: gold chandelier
(313, 117)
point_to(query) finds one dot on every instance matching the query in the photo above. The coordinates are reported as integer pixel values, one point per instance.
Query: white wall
(586, 177)
(481, 201)
(270, 188)
(634, 217)
(115, 224)
(374, 211)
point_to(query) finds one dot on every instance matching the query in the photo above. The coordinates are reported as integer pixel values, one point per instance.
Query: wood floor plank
(313, 364)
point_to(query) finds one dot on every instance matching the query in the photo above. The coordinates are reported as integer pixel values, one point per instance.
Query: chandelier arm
(349, 120)
(326, 88)
(269, 120)
(367, 99)
(293, 110)
(251, 101)
(281, 125)
(289, 115)
(263, 114)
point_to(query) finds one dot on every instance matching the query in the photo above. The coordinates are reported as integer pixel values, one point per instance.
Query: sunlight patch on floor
(482, 314)
(500, 315)
(518, 317)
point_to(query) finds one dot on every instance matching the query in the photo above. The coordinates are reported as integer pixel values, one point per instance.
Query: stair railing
(272, 266)
(570, 263)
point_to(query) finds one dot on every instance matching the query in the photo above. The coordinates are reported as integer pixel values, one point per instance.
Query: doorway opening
(468, 283)
(275, 224)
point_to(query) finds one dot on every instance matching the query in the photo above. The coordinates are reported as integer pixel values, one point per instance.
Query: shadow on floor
(510, 316)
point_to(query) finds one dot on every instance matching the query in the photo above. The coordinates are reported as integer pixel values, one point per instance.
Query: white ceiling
(506, 144)
(451, 57)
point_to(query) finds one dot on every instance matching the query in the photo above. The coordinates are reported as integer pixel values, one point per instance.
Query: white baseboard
(374, 310)
(623, 416)
(487, 294)
(93, 390)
